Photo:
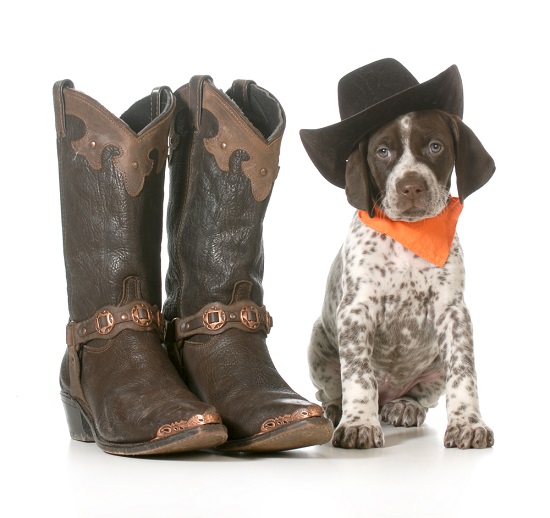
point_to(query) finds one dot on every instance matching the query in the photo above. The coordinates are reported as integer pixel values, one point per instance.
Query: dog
(395, 334)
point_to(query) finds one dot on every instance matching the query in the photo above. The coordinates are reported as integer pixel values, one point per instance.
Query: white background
(117, 52)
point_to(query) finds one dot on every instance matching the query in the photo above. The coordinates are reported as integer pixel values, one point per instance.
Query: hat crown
(370, 97)
(372, 84)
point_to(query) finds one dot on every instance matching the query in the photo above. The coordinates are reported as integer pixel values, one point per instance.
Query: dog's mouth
(415, 214)
(411, 211)
(414, 208)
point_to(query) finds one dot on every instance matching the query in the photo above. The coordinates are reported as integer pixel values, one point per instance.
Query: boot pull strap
(157, 104)
(196, 85)
(59, 105)
(240, 93)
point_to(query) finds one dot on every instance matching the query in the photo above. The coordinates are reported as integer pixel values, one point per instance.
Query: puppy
(395, 333)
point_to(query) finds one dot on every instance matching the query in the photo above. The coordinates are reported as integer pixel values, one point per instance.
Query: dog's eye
(383, 152)
(435, 147)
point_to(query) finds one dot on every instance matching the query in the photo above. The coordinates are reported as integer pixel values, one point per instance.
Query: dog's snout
(411, 185)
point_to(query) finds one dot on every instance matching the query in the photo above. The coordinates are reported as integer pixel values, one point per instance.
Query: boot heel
(78, 425)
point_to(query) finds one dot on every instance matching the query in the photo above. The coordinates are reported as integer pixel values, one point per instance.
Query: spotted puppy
(395, 333)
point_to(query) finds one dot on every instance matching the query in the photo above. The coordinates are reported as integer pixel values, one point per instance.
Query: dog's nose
(410, 186)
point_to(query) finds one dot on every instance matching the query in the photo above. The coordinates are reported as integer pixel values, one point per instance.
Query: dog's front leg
(360, 425)
(465, 427)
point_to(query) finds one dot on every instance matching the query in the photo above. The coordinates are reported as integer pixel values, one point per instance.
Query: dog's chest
(402, 293)
(399, 288)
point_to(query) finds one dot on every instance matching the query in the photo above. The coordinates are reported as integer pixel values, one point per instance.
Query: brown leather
(234, 132)
(217, 318)
(109, 321)
(103, 129)
(117, 383)
(218, 199)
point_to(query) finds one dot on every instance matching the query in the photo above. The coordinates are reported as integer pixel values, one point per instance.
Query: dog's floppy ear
(473, 165)
(359, 188)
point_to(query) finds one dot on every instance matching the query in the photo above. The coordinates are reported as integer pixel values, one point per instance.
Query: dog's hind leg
(324, 370)
(411, 408)
(403, 411)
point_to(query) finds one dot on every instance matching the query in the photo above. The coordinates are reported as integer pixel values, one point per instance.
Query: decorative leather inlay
(234, 133)
(298, 415)
(216, 318)
(111, 320)
(183, 425)
(104, 129)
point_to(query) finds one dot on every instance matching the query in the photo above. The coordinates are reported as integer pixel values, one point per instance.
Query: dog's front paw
(358, 436)
(464, 436)
(403, 412)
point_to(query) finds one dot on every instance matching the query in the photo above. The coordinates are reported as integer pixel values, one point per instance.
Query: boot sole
(309, 432)
(198, 438)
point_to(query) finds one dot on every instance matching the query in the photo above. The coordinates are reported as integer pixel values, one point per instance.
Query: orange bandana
(429, 238)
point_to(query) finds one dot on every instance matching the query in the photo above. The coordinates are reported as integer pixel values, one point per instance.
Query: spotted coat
(395, 333)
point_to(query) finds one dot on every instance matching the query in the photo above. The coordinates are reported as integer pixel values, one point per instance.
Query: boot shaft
(111, 175)
(223, 162)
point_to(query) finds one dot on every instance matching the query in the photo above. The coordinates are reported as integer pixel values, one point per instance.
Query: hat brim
(330, 147)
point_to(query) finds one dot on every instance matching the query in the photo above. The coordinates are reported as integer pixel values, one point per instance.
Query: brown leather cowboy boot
(118, 386)
(224, 160)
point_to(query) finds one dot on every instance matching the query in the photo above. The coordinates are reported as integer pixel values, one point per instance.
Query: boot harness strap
(216, 318)
(109, 321)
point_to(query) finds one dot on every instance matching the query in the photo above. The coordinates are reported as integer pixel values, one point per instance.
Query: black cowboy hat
(370, 97)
